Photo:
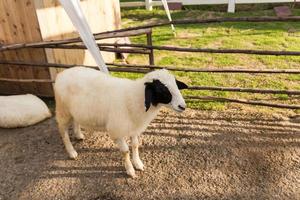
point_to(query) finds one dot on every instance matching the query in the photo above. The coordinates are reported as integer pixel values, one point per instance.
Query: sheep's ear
(148, 95)
(181, 85)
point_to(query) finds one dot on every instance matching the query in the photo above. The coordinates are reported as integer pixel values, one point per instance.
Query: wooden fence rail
(138, 30)
(248, 90)
(208, 21)
(242, 101)
(231, 3)
(148, 68)
(98, 36)
(205, 50)
(148, 49)
(211, 70)
(141, 70)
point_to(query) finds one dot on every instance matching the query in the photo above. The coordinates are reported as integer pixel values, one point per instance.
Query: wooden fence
(231, 3)
(148, 49)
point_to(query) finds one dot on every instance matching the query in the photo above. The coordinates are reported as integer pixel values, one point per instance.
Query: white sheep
(122, 107)
(22, 110)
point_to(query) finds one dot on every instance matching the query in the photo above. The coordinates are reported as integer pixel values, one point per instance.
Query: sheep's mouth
(179, 110)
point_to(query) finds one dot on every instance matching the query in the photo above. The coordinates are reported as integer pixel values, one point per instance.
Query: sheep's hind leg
(77, 131)
(64, 132)
(125, 151)
(138, 164)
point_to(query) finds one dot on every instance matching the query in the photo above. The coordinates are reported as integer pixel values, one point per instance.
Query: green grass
(243, 35)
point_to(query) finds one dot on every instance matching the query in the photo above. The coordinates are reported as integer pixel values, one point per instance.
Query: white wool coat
(101, 102)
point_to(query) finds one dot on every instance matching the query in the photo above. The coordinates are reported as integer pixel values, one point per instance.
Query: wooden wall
(103, 15)
(18, 23)
(42, 20)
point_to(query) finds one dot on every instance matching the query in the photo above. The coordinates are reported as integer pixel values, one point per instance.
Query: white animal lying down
(22, 110)
(122, 107)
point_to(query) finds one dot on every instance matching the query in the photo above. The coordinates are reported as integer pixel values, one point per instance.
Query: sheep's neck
(140, 115)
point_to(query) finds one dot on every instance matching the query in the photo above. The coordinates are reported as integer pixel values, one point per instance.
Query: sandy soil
(198, 155)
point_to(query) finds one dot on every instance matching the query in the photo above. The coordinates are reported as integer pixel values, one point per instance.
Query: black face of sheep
(156, 92)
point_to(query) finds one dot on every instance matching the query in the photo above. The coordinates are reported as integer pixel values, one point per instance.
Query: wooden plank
(247, 90)
(242, 101)
(5, 72)
(19, 32)
(32, 33)
(22, 21)
(98, 36)
(110, 20)
(6, 37)
(171, 68)
(50, 14)
(21, 26)
(42, 15)
(204, 50)
(27, 80)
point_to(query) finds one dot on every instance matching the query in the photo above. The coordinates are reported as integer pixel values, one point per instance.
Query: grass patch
(242, 35)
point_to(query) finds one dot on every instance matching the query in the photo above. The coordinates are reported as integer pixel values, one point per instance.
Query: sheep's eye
(161, 94)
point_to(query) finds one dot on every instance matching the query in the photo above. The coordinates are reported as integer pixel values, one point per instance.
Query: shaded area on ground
(197, 155)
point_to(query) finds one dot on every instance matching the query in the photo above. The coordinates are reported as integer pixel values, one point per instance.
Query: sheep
(18, 111)
(122, 107)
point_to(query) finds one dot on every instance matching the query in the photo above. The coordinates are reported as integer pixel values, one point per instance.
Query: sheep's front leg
(138, 164)
(125, 151)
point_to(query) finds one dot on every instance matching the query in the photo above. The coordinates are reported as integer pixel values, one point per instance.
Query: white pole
(165, 4)
(231, 6)
(148, 4)
(73, 9)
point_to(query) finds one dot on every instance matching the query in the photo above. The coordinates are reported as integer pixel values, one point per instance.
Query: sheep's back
(92, 98)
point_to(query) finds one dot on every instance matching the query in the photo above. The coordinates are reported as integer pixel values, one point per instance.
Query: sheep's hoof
(131, 173)
(73, 154)
(80, 137)
(138, 165)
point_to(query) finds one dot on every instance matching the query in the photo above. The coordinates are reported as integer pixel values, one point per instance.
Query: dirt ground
(196, 155)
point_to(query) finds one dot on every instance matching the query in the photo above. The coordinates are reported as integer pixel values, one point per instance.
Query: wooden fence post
(231, 6)
(151, 54)
(148, 4)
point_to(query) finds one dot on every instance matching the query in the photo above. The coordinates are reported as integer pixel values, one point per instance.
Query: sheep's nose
(181, 107)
